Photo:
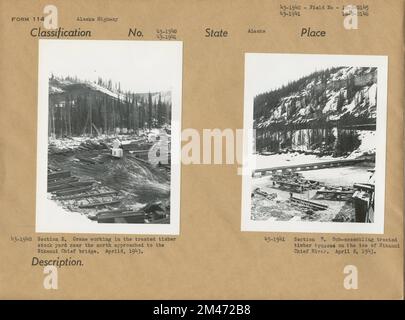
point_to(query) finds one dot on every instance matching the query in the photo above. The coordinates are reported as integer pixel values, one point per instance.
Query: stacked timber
(269, 196)
(73, 193)
(92, 145)
(154, 212)
(334, 194)
(53, 176)
(90, 196)
(294, 181)
(121, 216)
(137, 146)
(308, 204)
(53, 150)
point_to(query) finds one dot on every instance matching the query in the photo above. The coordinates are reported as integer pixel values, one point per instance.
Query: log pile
(90, 196)
(92, 145)
(269, 196)
(75, 194)
(334, 194)
(293, 181)
(308, 204)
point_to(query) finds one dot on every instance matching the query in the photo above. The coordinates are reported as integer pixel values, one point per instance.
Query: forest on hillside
(78, 107)
(325, 111)
(344, 93)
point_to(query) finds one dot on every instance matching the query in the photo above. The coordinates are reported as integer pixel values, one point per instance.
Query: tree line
(80, 109)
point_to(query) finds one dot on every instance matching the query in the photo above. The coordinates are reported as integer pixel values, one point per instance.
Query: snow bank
(368, 144)
(344, 176)
(286, 159)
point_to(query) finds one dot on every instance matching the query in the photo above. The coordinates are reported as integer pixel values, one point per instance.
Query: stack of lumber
(87, 194)
(92, 145)
(309, 204)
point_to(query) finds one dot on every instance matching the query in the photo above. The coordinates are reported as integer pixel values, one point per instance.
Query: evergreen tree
(160, 111)
(340, 102)
(150, 118)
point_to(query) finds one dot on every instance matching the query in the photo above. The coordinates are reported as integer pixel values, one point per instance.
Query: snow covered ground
(368, 144)
(56, 218)
(343, 176)
(289, 159)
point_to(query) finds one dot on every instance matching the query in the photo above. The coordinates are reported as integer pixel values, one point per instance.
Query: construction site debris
(269, 196)
(309, 204)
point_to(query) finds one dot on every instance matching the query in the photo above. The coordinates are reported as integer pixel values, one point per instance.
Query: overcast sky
(271, 71)
(140, 66)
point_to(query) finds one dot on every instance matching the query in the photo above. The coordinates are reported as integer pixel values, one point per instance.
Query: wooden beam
(59, 175)
(308, 203)
(87, 160)
(70, 185)
(62, 181)
(93, 195)
(124, 214)
(98, 204)
(364, 186)
(312, 166)
(73, 191)
(111, 211)
(335, 192)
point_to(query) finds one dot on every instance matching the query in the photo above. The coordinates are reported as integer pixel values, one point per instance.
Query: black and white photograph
(316, 143)
(109, 136)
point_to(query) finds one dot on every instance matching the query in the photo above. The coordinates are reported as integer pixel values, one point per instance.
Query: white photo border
(44, 221)
(377, 227)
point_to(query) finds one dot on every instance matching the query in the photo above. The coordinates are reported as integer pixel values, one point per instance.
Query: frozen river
(288, 159)
(342, 176)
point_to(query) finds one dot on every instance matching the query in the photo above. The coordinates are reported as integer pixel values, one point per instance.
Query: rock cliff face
(328, 111)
